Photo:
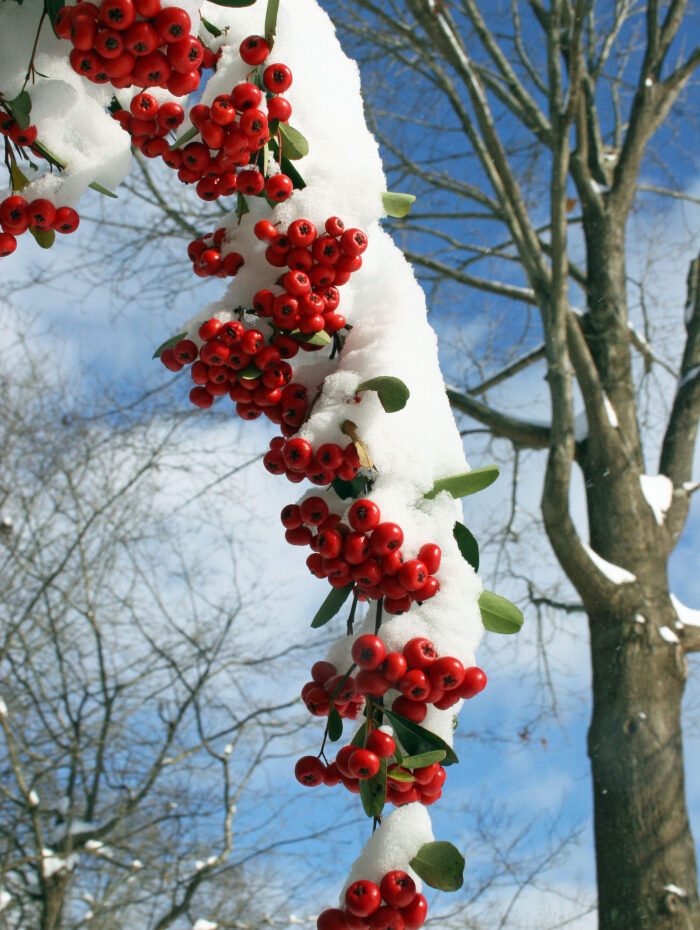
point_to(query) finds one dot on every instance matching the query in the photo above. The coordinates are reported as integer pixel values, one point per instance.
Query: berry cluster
(148, 122)
(18, 215)
(366, 552)
(207, 259)
(296, 459)
(137, 42)
(393, 904)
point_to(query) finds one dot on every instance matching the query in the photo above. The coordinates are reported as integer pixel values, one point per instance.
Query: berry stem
(378, 617)
(351, 618)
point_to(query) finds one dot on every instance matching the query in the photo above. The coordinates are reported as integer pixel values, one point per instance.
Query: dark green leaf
(373, 791)
(294, 144)
(440, 865)
(332, 604)
(359, 738)
(52, 7)
(102, 190)
(315, 339)
(345, 489)
(168, 344)
(416, 740)
(393, 393)
(241, 206)
(335, 724)
(185, 137)
(297, 181)
(397, 204)
(467, 483)
(271, 21)
(498, 614)
(21, 107)
(211, 28)
(468, 545)
(44, 237)
(425, 758)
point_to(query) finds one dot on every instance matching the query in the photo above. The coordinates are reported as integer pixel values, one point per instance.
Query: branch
(525, 294)
(518, 365)
(521, 432)
(678, 445)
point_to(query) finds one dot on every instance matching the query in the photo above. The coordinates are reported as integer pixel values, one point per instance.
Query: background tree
(136, 714)
(526, 130)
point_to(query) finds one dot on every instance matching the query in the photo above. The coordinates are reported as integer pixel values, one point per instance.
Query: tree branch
(522, 432)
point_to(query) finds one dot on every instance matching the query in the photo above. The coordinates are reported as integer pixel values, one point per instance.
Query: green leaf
(440, 865)
(233, 2)
(102, 190)
(211, 28)
(52, 7)
(185, 137)
(393, 393)
(297, 181)
(416, 740)
(294, 144)
(332, 604)
(425, 758)
(401, 776)
(373, 791)
(241, 206)
(467, 483)
(345, 489)
(468, 545)
(44, 237)
(168, 344)
(397, 204)
(315, 339)
(271, 21)
(19, 179)
(359, 738)
(498, 614)
(21, 107)
(335, 724)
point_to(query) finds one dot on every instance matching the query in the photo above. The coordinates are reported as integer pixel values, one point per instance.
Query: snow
(687, 616)
(610, 411)
(202, 924)
(392, 846)
(614, 573)
(52, 863)
(674, 889)
(580, 426)
(658, 491)
(689, 376)
(668, 635)
(638, 618)
(136, 865)
(3, 709)
(5, 899)
(33, 799)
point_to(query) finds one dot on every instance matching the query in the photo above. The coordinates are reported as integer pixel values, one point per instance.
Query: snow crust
(615, 573)
(687, 616)
(392, 846)
(610, 411)
(667, 634)
(202, 924)
(658, 492)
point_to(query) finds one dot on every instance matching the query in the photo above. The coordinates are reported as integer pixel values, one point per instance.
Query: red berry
(430, 588)
(141, 38)
(415, 913)
(363, 898)
(419, 652)
(278, 187)
(446, 673)
(117, 14)
(363, 764)
(398, 889)
(474, 681)
(321, 672)
(412, 575)
(412, 710)
(173, 24)
(41, 214)
(385, 538)
(394, 666)
(371, 682)
(335, 226)
(330, 456)
(8, 244)
(368, 652)
(277, 78)
(381, 743)
(364, 515)
(254, 50)
(309, 771)
(386, 918)
(353, 922)
(265, 231)
(430, 554)
(314, 511)
(353, 242)
(298, 454)
(343, 758)
(415, 685)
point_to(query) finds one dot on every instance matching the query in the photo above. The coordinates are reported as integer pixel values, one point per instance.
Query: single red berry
(279, 108)
(254, 50)
(367, 574)
(278, 187)
(141, 38)
(420, 652)
(343, 758)
(473, 682)
(117, 14)
(321, 672)
(415, 913)
(250, 181)
(173, 24)
(363, 764)
(412, 710)
(298, 454)
(180, 84)
(386, 918)
(265, 231)
(415, 685)
(371, 682)
(412, 575)
(66, 220)
(335, 226)
(314, 511)
(332, 775)
(394, 666)
(277, 78)
(363, 898)
(368, 652)
(385, 538)
(353, 922)
(381, 743)
(309, 771)
(200, 397)
(398, 889)
(446, 673)
(8, 243)
(430, 555)
(364, 515)
(353, 242)
(430, 588)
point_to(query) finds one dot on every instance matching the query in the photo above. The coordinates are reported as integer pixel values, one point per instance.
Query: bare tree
(135, 710)
(526, 129)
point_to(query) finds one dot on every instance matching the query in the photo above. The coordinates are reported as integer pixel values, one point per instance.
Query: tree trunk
(645, 857)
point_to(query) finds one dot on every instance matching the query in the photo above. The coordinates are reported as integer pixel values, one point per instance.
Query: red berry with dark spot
(254, 50)
(277, 78)
(386, 537)
(368, 652)
(363, 898)
(364, 515)
(381, 743)
(363, 764)
(309, 771)
(398, 889)
(420, 652)
(473, 682)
